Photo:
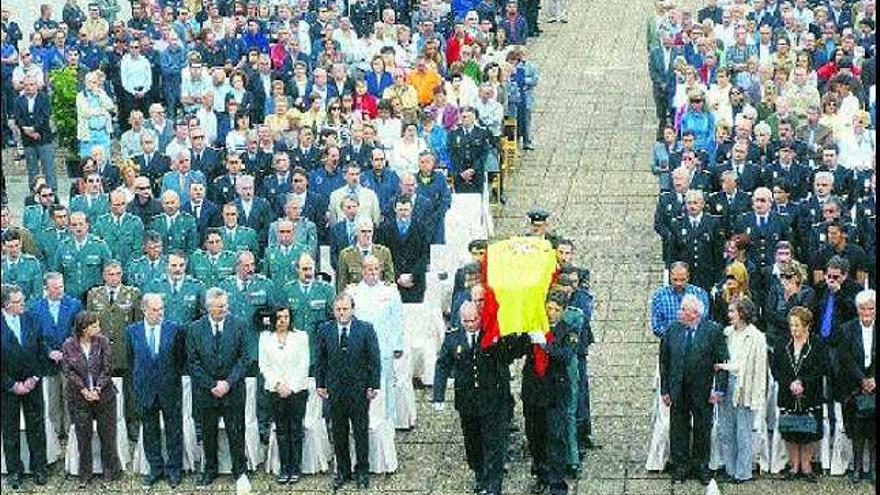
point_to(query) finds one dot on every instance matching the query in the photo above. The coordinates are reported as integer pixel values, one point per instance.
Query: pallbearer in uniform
(481, 388)
(379, 303)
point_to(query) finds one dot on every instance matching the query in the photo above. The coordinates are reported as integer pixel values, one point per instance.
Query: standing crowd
(255, 191)
(765, 157)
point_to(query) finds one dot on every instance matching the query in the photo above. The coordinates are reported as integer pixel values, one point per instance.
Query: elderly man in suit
(154, 351)
(22, 350)
(253, 211)
(348, 376)
(689, 352)
(117, 306)
(181, 176)
(54, 314)
(220, 351)
(31, 112)
(342, 233)
(205, 212)
(410, 250)
(351, 259)
(367, 198)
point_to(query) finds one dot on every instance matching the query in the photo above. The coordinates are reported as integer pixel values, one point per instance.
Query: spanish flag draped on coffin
(517, 273)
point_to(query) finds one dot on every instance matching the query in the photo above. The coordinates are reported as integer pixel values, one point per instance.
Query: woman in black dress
(799, 369)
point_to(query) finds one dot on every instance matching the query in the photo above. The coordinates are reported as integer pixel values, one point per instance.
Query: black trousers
(351, 414)
(231, 409)
(546, 436)
(484, 447)
(171, 415)
(690, 444)
(289, 413)
(132, 415)
(35, 428)
(103, 414)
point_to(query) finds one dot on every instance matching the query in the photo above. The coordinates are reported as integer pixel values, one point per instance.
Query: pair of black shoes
(14, 480)
(680, 476)
(207, 479)
(363, 482)
(287, 479)
(151, 479)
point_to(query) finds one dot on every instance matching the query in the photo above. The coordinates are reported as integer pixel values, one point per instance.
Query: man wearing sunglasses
(764, 227)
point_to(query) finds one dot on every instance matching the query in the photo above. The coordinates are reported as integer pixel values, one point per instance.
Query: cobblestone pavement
(594, 127)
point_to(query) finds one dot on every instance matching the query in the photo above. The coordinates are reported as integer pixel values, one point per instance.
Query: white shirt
(153, 332)
(867, 343)
(286, 363)
(380, 305)
(216, 327)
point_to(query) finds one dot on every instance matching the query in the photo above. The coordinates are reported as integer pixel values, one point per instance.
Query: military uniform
(351, 261)
(115, 316)
(574, 318)
(48, 241)
(728, 208)
(310, 306)
(93, 207)
(279, 263)
(177, 233)
(35, 218)
(142, 272)
(183, 305)
(700, 246)
(544, 400)
(211, 271)
(245, 299)
(27, 273)
(241, 239)
(82, 267)
(482, 383)
(124, 236)
(670, 206)
(763, 239)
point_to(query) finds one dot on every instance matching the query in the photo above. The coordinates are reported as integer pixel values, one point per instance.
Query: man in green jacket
(81, 258)
(183, 295)
(280, 258)
(177, 228)
(122, 231)
(237, 238)
(21, 269)
(310, 301)
(213, 263)
(142, 271)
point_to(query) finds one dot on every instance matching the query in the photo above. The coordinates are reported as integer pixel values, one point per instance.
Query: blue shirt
(665, 303)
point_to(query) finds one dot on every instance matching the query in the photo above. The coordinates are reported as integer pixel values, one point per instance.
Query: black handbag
(797, 422)
(866, 405)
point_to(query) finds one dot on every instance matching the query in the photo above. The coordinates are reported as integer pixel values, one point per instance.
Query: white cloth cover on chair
(465, 221)
(71, 460)
(658, 448)
(383, 451)
(841, 451)
(53, 446)
(715, 453)
(326, 267)
(404, 393)
(317, 450)
(424, 329)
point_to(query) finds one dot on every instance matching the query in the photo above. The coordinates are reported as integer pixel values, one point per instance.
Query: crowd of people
(220, 146)
(765, 157)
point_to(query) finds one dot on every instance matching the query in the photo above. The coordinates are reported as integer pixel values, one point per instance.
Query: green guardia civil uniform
(244, 299)
(183, 301)
(141, 272)
(210, 271)
(35, 218)
(25, 272)
(124, 235)
(92, 206)
(178, 232)
(279, 263)
(48, 241)
(82, 266)
(240, 239)
(310, 305)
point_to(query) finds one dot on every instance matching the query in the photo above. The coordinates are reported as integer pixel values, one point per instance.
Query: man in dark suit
(253, 211)
(787, 168)
(670, 205)
(729, 203)
(348, 376)
(357, 150)
(275, 187)
(468, 146)
(220, 351)
(661, 62)
(23, 366)
(202, 157)
(343, 232)
(306, 155)
(688, 354)
(155, 353)
(482, 382)
(53, 315)
(408, 243)
(749, 175)
(205, 212)
(152, 164)
(222, 188)
(31, 112)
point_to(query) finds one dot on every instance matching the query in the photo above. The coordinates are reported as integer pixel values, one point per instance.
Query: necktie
(365, 253)
(343, 338)
(689, 341)
(762, 221)
(112, 296)
(198, 211)
(694, 223)
(216, 336)
(827, 316)
(151, 339)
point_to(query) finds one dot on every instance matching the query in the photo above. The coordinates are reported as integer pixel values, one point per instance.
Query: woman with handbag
(799, 368)
(857, 346)
(747, 388)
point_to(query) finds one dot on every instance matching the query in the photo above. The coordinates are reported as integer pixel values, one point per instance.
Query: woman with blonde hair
(747, 388)
(735, 286)
(128, 172)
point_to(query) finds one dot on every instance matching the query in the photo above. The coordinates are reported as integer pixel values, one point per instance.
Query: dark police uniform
(701, 246)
